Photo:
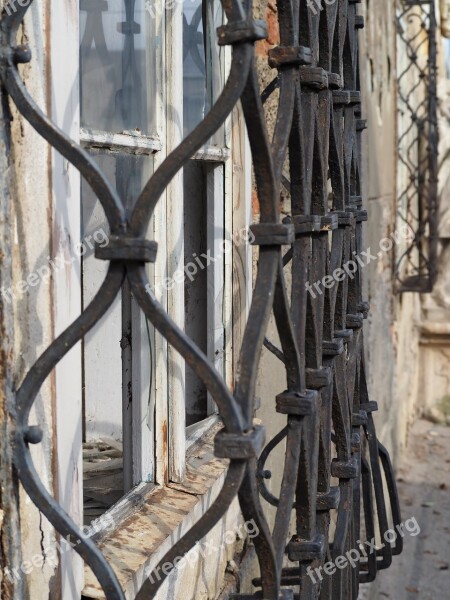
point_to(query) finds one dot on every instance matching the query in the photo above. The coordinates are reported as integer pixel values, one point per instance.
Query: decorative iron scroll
(417, 145)
(333, 462)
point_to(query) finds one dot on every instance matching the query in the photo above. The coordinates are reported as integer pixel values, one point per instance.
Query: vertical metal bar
(126, 344)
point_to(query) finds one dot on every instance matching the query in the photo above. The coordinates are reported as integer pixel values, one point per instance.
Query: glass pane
(117, 66)
(195, 286)
(106, 364)
(203, 59)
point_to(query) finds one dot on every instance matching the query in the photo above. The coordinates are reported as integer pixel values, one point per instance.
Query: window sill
(212, 154)
(131, 142)
(157, 519)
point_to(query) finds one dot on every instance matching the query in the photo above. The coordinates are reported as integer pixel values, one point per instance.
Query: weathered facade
(407, 337)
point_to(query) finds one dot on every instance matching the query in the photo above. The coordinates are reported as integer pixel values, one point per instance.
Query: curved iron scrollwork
(333, 461)
(417, 202)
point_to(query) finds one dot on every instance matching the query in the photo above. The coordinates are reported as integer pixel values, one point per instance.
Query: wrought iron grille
(417, 145)
(333, 464)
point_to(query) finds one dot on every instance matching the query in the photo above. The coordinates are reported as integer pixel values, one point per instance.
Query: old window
(136, 403)
(204, 190)
(118, 93)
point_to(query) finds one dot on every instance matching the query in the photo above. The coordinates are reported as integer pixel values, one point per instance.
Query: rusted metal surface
(317, 136)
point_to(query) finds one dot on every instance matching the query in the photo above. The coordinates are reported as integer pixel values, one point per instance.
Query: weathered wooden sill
(156, 517)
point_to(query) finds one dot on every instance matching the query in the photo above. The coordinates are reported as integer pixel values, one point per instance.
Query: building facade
(128, 430)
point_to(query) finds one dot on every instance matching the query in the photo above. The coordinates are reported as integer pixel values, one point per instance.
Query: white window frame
(64, 93)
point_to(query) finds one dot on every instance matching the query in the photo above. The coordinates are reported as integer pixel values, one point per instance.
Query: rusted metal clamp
(345, 469)
(295, 403)
(369, 407)
(359, 418)
(238, 32)
(333, 347)
(328, 500)
(315, 78)
(361, 124)
(288, 56)
(354, 321)
(345, 334)
(273, 234)
(239, 446)
(299, 550)
(304, 224)
(319, 378)
(329, 222)
(360, 215)
(128, 249)
(364, 309)
(334, 81)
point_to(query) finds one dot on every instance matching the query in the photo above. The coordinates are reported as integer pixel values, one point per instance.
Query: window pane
(117, 66)
(112, 352)
(195, 287)
(202, 67)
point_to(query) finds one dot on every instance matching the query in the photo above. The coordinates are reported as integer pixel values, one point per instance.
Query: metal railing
(333, 462)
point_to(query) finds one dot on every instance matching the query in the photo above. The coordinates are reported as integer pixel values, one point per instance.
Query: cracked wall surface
(27, 200)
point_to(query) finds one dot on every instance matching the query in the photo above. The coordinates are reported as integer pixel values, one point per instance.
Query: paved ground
(423, 570)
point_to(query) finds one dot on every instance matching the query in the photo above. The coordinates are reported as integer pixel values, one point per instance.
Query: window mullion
(241, 202)
(215, 270)
(175, 242)
(64, 70)
(127, 142)
(228, 265)
(228, 229)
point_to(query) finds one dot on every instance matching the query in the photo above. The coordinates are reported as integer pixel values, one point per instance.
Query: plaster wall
(31, 243)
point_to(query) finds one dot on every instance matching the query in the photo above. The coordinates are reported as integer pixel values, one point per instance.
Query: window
(117, 118)
(138, 396)
(204, 186)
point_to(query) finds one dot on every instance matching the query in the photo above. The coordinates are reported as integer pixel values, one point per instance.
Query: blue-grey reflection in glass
(117, 66)
(203, 59)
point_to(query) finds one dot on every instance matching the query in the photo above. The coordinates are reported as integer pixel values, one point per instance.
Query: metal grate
(333, 462)
(417, 146)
